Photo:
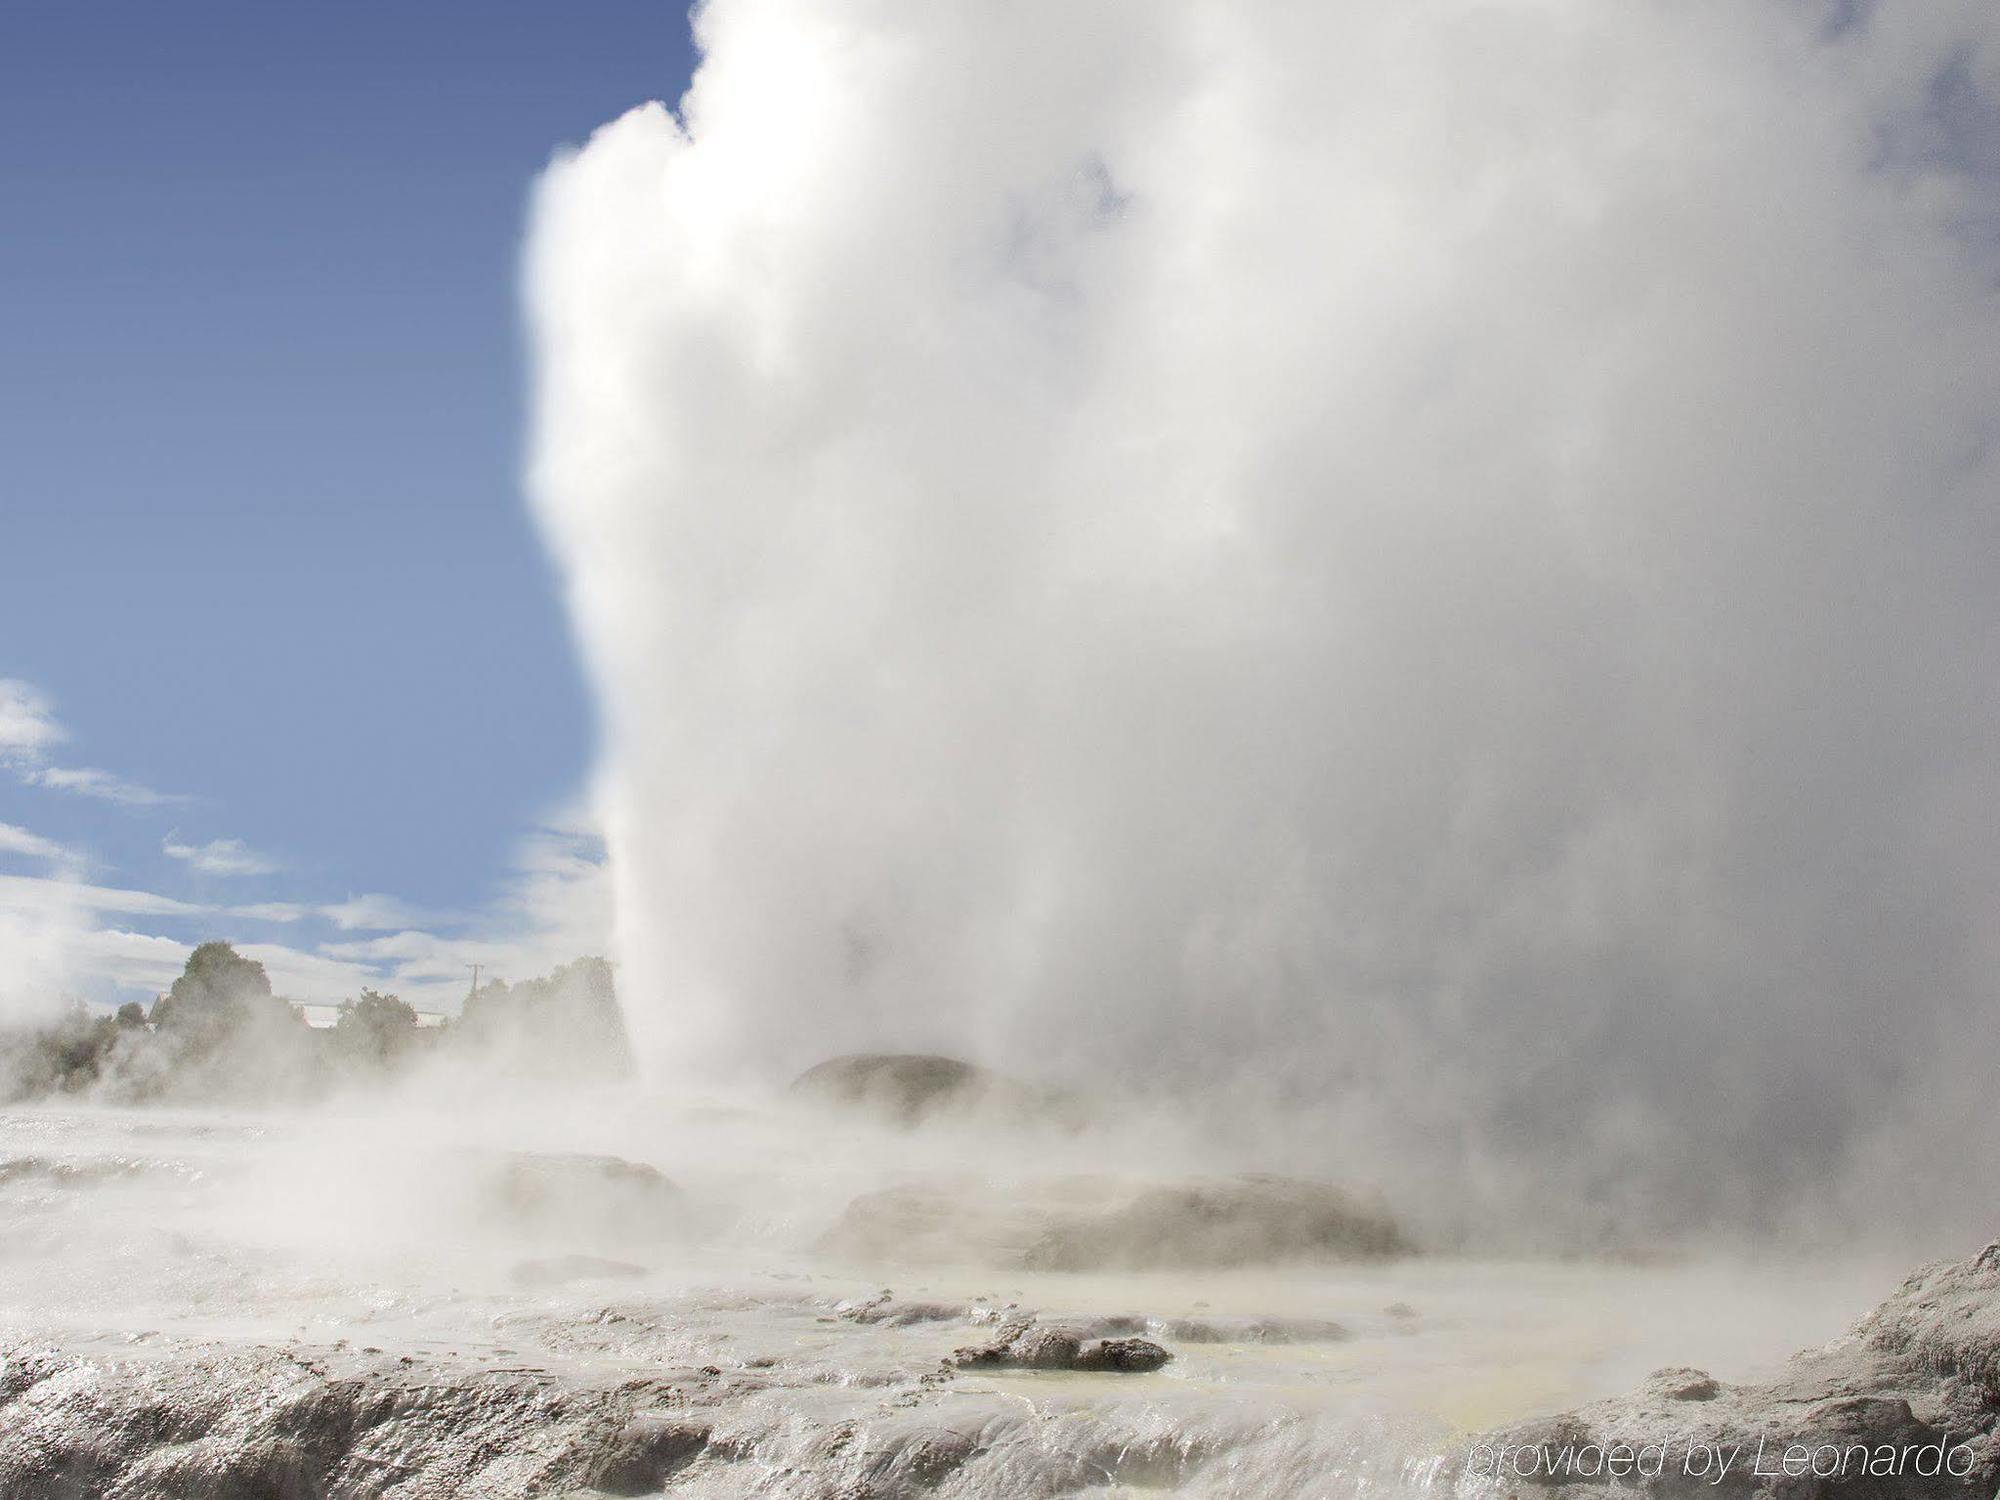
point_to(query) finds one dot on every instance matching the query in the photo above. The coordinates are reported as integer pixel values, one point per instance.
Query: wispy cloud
(271, 911)
(300, 975)
(219, 857)
(29, 729)
(64, 935)
(29, 893)
(14, 840)
(553, 906)
(89, 781)
(370, 913)
(374, 912)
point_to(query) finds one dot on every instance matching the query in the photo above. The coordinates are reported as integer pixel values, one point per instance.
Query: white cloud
(28, 728)
(375, 912)
(298, 974)
(58, 925)
(553, 908)
(123, 960)
(28, 725)
(271, 911)
(219, 857)
(53, 939)
(27, 893)
(15, 840)
(88, 781)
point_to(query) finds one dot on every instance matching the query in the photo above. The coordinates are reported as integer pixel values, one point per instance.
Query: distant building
(320, 1017)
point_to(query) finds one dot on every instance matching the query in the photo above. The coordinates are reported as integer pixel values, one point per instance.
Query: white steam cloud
(1435, 563)
(39, 919)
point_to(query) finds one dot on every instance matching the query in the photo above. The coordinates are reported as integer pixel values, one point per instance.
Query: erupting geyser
(1255, 658)
(1431, 563)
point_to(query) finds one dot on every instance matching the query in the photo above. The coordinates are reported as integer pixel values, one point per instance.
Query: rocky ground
(1903, 1408)
(793, 1396)
(609, 1405)
(249, 1424)
(214, 1306)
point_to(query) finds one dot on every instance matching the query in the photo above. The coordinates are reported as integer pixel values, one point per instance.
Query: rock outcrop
(909, 1088)
(251, 1422)
(940, 1223)
(1243, 1221)
(574, 1194)
(248, 1424)
(1024, 1344)
(1109, 1224)
(1904, 1408)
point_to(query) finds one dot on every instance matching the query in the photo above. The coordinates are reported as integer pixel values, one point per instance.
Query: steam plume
(1436, 563)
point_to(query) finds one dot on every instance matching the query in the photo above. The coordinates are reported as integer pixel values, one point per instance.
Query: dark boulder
(906, 1087)
(1244, 1221)
(1125, 1356)
(1024, 1344)
(1104, 1223)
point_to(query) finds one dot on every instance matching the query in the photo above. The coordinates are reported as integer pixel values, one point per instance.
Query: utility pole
(475, 980)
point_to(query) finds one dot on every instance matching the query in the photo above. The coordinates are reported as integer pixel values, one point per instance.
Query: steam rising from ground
(1433, 564)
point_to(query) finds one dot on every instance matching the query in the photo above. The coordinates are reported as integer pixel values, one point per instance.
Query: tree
(217, 992)
(222, 1032)
(567, 1022)
(376, 1027)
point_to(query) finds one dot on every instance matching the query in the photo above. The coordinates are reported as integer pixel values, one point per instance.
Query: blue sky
(262, 545)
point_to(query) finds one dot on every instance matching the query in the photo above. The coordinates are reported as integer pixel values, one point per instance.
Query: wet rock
(1244, 1221)
(1126, 1356)
(902, 1456)
(648, 1451)
(252, 1424)
(1047, 1348)
(1025, 1345)
(997, 1350)
(1683, 1385)
(1945, 1317)
(918, 1461)
(260, 1424)
(887, 1312)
